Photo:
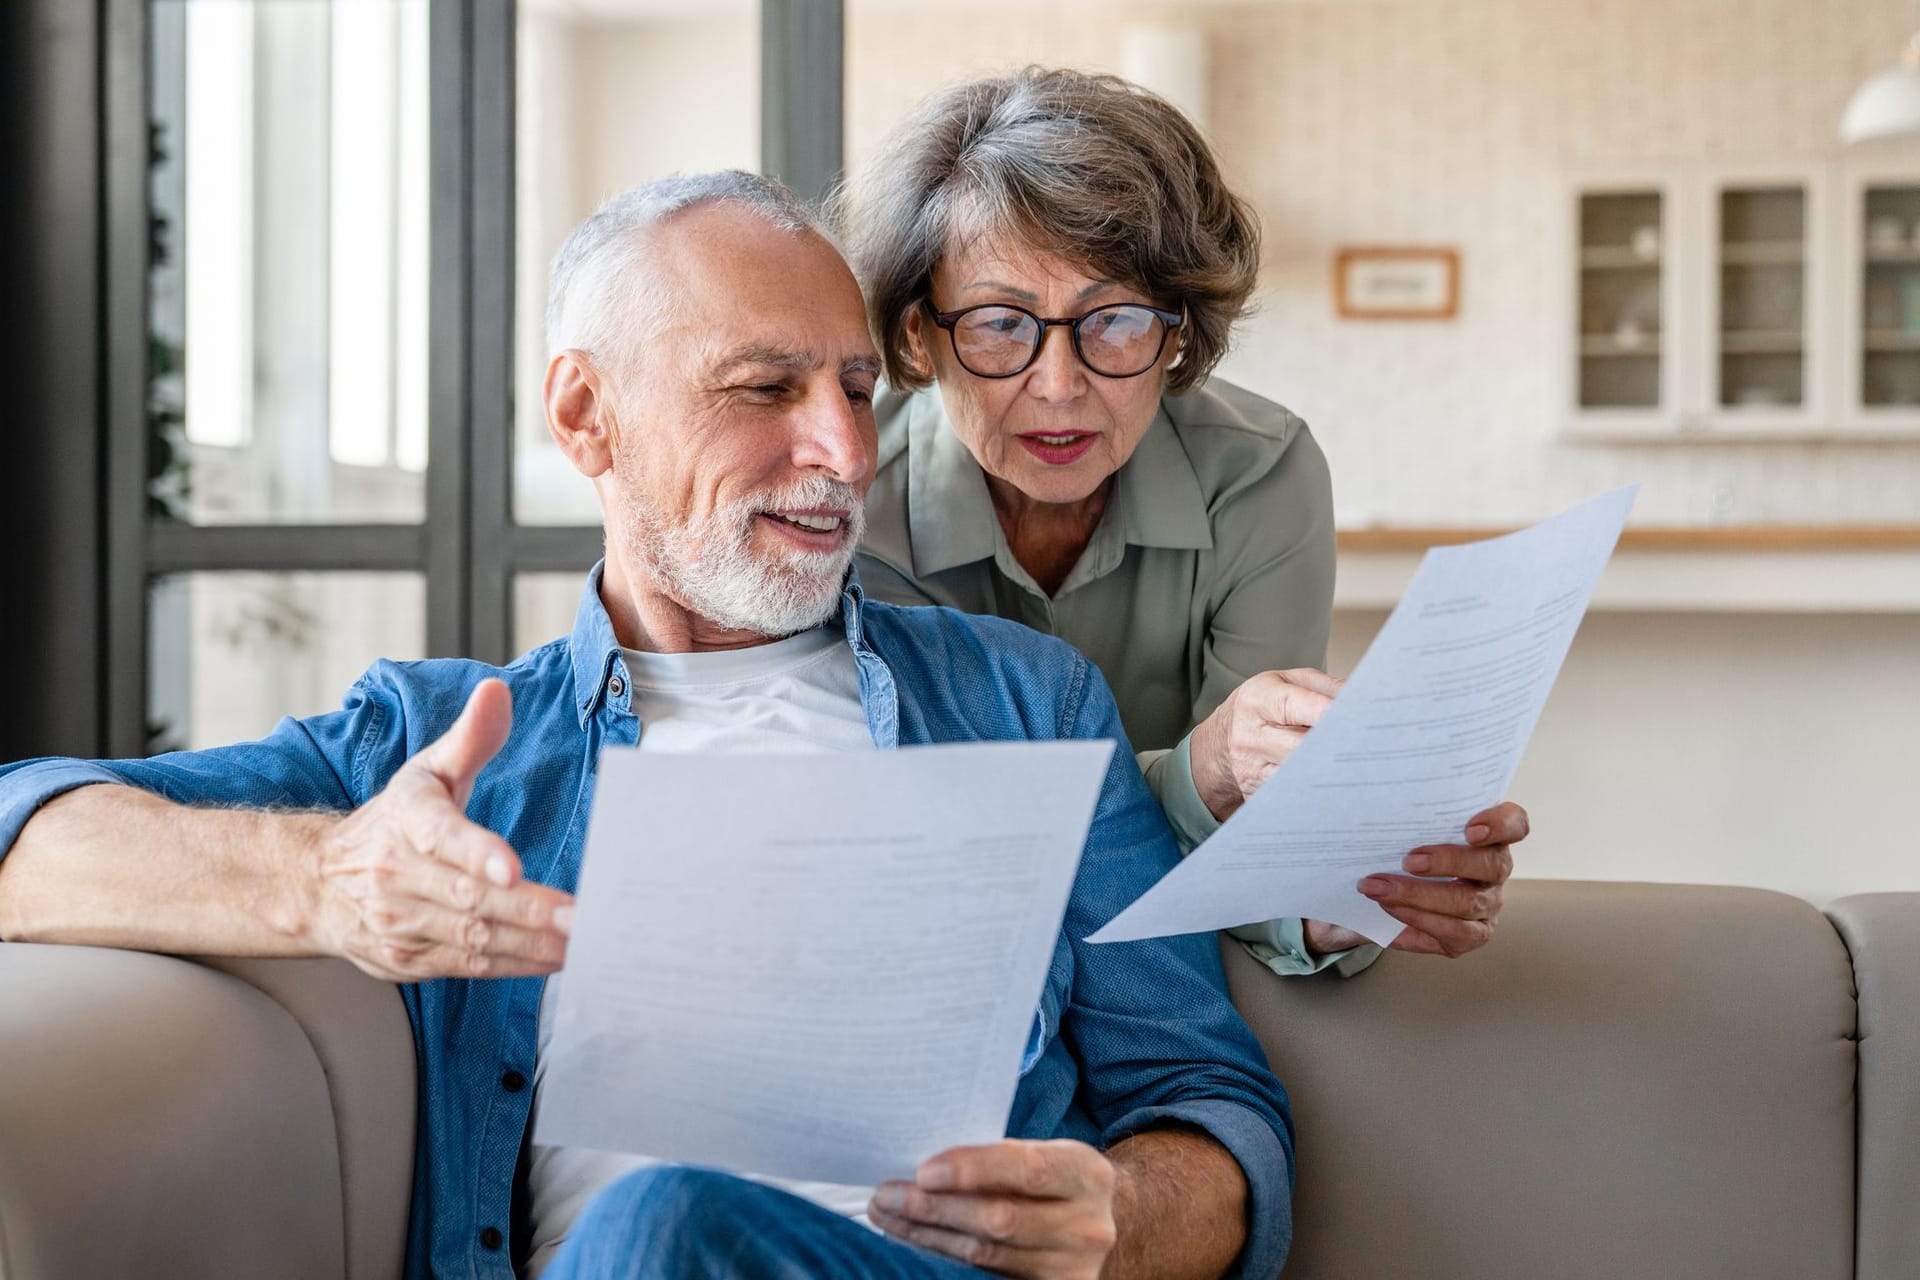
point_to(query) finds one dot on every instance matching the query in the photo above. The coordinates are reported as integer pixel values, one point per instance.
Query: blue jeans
(671, 1222)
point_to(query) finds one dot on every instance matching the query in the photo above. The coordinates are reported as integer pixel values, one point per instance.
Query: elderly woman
(1053, 265)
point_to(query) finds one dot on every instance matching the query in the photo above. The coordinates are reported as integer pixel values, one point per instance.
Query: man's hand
(408, 888)
(1443, 917)
(1017, 1207)
(1249, 735)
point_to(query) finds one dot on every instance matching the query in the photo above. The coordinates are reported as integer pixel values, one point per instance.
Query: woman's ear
(916, 336)
(578, 414)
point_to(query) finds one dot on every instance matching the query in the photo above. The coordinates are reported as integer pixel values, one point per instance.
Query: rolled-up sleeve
(1158, 1041)
(325, 762)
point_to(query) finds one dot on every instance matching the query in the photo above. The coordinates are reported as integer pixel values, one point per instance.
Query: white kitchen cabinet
(1745, 302)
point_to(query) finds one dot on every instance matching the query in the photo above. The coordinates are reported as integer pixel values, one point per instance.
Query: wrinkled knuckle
(381, 917)
(1485, 903)
(1000, 1219)
(475, 934)
(1036, 1172)
(384, 862)
(1102, 1234)
(394, 957)
(466, 893)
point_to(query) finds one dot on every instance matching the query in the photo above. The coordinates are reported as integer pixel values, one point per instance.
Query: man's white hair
(600, 301)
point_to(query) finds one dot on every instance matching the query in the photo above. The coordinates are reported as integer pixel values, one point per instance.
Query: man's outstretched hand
(408, 888)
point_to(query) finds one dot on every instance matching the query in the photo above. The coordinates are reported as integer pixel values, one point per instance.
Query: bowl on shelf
(1886, 234)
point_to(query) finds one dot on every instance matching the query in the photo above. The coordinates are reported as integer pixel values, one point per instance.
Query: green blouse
(1213, 562)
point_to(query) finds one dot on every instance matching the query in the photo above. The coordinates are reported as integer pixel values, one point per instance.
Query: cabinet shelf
(1893, 257)
(1618, 258)
(1760, 342)
(1891, 340)
(1763, 253)
(1603, 345)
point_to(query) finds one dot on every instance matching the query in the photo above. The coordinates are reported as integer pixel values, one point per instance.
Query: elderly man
(713, 378)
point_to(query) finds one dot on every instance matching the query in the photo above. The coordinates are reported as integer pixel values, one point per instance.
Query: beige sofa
(1634, 1080)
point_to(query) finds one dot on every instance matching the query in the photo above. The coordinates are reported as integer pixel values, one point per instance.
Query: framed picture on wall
(1397, 283)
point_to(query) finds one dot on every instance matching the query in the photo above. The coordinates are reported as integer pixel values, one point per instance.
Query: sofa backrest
(1633, 1080)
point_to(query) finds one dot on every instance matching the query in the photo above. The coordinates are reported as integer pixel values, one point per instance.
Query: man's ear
(578, 413)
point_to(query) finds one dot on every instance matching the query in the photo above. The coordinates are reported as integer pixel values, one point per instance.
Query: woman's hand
(1253, 731)
(1443, 917)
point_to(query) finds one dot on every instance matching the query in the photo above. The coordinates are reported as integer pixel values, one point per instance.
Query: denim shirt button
(616, 687)
(490, 1237)
(513, 1082)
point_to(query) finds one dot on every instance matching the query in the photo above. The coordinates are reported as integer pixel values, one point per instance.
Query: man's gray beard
(709, 566)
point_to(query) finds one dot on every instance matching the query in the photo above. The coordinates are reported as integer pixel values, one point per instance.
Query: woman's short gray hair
(598, 301)
(1089, 167)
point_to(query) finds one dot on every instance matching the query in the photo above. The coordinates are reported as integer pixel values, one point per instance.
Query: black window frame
(93, 560)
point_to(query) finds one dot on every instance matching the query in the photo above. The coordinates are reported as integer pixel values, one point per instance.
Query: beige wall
(1758, 749)
(1456, 122)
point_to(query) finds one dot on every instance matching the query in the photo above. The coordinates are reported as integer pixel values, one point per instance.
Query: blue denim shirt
(1129, 1036)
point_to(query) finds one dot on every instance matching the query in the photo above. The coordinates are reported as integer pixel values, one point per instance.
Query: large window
(287, 357)
(325, 437)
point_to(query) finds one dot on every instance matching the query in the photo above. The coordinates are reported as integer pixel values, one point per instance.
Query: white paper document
(1427, 732)
(820, 967)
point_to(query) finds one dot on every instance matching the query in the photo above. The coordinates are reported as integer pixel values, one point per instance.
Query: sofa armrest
(158, 1119)
(359, 1030)
(1882, 931)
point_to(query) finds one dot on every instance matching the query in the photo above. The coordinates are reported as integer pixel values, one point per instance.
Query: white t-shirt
(801, 694)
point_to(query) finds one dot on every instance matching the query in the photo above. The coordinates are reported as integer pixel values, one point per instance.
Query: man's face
(745, 440)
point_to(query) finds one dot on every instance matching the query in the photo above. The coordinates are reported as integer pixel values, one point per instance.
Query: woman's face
(1056, 430)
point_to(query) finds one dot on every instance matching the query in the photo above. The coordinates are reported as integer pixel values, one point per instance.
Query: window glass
(230, 653)
(288, 276)
(611, 93)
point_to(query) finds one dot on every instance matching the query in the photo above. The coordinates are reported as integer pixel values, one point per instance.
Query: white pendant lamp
(1888, 103)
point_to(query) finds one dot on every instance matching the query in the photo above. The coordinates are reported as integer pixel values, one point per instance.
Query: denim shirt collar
(1157, 499)
(594, 650)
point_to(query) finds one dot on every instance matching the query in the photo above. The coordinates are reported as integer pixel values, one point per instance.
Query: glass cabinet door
(1762, 336)
(1622, 251)
(1887, 377)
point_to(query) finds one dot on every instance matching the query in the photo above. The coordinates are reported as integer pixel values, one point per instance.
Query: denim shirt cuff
(24, 788)
(1264, 1157)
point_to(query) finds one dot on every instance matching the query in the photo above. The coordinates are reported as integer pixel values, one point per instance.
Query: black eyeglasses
(997, 341)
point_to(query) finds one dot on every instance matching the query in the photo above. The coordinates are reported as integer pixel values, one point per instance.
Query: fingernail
(498, 871)
(935, 1177)
(1477, 832)
(1419, 863)
(891, 1198)
(1374, 887)
(563, 920)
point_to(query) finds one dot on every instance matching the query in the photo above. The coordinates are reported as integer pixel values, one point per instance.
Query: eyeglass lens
(1118, 341)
